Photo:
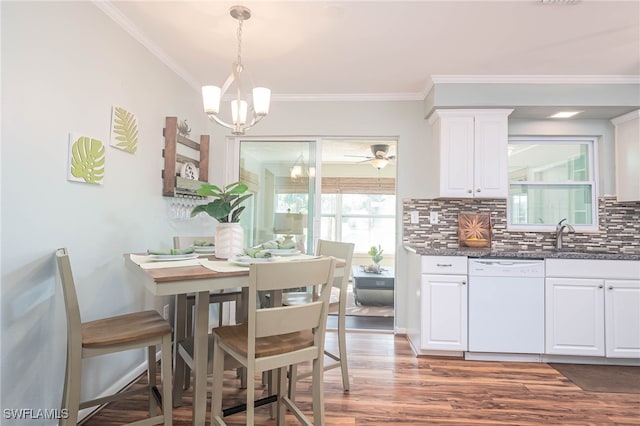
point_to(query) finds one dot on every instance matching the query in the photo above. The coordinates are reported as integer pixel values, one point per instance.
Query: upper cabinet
(472, 145)
(627, 147)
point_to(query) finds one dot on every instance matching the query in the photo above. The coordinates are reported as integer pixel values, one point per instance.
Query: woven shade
(337, 185)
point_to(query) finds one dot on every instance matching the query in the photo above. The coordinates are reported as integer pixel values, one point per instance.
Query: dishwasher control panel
(506, 268)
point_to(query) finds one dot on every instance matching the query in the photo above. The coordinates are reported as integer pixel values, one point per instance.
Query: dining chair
(342, 251)
(184, 318)
(274, 338)
(138, 330)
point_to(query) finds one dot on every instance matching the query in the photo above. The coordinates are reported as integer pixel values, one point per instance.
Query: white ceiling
(385, 49)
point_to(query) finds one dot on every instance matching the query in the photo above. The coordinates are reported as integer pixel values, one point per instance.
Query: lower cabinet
(443, 293)
(622, 318)
(574, 311)
(593, 317)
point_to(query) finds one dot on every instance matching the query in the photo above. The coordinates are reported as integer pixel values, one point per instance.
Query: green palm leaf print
(125, 130)
(87, 159)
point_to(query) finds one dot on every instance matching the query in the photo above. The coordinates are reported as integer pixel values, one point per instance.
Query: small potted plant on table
(376, 257)
(226, 209)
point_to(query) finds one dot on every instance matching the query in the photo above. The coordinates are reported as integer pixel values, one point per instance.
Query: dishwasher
(506, 306)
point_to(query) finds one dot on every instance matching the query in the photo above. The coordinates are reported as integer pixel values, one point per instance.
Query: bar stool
(108, 335)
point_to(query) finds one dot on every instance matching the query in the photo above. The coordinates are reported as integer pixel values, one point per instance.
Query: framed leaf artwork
(124, 130)
(474, 229)
(86, 159)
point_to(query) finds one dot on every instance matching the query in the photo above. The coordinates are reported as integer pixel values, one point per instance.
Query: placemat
(146, 263)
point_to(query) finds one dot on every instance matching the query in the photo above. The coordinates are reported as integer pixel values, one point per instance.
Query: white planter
(229, 240)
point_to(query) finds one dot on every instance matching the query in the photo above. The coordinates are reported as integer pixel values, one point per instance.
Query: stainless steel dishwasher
(506, 306)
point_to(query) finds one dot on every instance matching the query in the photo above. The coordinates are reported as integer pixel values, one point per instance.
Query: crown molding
(536, 79)
(347, 97)
(112, 12)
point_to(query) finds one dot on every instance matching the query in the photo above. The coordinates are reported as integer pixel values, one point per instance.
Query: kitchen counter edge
(522, 254)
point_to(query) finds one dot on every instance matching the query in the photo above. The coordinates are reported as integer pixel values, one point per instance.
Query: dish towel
(147, 263)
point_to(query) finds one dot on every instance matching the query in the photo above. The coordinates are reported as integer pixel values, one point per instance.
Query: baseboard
(116, 387)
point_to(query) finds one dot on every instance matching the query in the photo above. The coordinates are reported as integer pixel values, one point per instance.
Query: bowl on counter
(476, 242)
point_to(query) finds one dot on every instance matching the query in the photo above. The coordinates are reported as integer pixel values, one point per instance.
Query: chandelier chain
(239, 41)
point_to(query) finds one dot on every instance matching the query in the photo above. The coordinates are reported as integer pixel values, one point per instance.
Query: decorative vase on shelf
(229, 240)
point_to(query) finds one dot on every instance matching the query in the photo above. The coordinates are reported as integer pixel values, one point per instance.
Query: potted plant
(376, 257)
(226, 208)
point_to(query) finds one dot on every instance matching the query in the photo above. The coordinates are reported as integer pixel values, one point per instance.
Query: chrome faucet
(560, 227)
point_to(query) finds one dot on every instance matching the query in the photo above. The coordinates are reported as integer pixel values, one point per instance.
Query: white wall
(64, 65)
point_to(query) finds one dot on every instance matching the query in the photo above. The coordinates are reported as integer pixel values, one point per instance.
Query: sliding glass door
(282, 176)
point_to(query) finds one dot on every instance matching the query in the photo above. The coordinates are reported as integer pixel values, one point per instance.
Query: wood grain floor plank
(390, 386)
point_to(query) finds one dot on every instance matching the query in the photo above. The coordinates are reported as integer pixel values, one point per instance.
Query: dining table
(200, 276)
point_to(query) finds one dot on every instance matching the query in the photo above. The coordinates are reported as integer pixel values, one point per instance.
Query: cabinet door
(627, 147)
(444, 312)
(490, 156)
(456, 156)
(622, 318)
(574, 317)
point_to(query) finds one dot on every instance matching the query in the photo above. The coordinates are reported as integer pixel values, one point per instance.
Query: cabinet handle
(478, 190)
(464, 283)
(469, 191)
(600, 286)
(610, 287)
(444, 265)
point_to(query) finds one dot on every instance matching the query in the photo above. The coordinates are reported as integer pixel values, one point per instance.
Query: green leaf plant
(376, 254)
(226, 206)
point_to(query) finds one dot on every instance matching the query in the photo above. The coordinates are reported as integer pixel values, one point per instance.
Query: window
(364, 219)
(550, 179)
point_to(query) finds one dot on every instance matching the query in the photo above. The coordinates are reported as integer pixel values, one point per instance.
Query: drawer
(381, 283)
(444, 265)
(582, 268)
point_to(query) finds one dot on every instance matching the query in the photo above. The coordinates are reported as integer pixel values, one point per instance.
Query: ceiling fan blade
(359, 156)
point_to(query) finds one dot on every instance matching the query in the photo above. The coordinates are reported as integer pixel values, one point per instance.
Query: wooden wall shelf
(172, 183)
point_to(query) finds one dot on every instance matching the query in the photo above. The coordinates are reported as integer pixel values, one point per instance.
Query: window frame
(339, 216)
(592, 144)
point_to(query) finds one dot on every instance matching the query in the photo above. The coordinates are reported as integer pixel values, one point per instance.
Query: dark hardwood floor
(390, 386)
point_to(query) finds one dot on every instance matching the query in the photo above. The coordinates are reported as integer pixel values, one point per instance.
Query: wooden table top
(196, 272)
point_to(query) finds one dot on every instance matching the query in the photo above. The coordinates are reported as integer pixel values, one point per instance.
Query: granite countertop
(525, 254)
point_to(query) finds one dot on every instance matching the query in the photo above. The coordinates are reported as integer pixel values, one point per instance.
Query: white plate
(189, 171)
(247, 260)
(165, 257)
(284, 252)
(204, 249)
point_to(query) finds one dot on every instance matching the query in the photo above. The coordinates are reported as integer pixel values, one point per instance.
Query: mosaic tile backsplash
(619, 226)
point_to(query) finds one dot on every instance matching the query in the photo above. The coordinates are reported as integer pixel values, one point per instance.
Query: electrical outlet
(165, 311)
(414, 217)
(433, 218)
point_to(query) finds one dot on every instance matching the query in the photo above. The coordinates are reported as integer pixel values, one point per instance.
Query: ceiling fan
(379, 159)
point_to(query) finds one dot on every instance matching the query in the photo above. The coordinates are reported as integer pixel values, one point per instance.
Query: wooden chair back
(278, 276)
(72, 308)
(338, 250)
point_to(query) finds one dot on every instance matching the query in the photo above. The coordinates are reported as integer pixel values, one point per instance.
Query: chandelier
(299, 169)
(241, 109)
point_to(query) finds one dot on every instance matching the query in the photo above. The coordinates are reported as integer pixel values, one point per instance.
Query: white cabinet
(574, 316)
(472, 146)
(593, 308)
(622, 318)
(443, 297)
(627, 152)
